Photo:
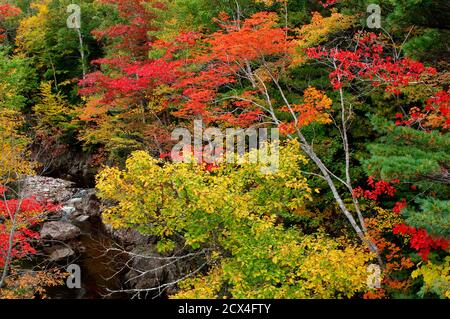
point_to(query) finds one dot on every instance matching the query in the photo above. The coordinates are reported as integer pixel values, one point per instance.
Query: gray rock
(82, 218)
(88, 204)
(59, 231)
(47, 188)
(156, 269)
(130, 236)
(150, 270)
(74, 201)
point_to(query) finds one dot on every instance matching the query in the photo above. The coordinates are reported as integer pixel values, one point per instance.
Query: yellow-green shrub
(234, 212)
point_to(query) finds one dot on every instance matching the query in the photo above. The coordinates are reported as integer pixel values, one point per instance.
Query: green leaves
(18, 80)
(433, 215)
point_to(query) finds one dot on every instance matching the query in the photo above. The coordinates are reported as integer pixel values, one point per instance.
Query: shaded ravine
(75, 234)
(99, 270)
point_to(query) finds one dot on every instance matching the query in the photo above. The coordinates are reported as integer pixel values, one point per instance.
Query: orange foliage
(31, 284)
(258, 36)
(313, 109)
(225, 58)
(379, 227)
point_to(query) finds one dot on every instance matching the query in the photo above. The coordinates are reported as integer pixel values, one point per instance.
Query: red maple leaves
(131, 36)
(328, 3)
(18, 217)
(368, 62)
(256, 37)
(399, 206)
(225, 58)
(435, 114)
(420, 239)
(128, 47)
(378, 188)
(127, 74)
(7, 10)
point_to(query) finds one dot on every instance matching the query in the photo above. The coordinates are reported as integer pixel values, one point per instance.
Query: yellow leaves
(52, 111)
(321, 27)
(436, 278)
(150, 192)
(32, 30)
(262, 225)
(333, 272)
(10, 122)
(14, 148)
(234, 211)
(123, 126)
(296, 183)
(271, 2)
(298, 267)
(157, 99)
(302, 211)
(202, 287)
(275, 259)
(316, 99)
(384, 220)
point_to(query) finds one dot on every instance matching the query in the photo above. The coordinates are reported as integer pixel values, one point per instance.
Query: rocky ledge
(62, 234)
(61, 231)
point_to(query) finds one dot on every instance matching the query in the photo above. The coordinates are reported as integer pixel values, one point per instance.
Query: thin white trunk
(83, 60)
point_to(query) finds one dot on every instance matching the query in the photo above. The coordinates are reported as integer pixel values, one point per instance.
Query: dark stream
(99, 270)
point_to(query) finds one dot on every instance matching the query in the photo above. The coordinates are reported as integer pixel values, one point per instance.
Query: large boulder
(77, 205)
(61, 231)
(130, 237)
(148, 269)
(87, 203)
